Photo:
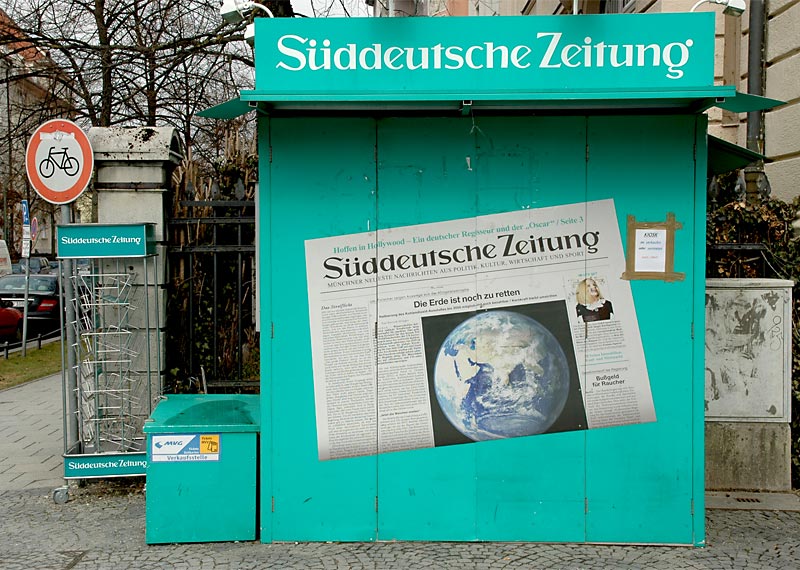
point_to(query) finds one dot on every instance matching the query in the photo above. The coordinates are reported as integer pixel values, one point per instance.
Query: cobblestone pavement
(104, 529)
(102, 526)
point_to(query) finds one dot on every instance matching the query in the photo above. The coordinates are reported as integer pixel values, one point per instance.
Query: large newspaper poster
(497, 326)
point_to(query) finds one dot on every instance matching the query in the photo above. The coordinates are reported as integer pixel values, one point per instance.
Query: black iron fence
(211, 309)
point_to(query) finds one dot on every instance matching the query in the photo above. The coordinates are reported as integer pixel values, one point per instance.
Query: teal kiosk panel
(465, 333)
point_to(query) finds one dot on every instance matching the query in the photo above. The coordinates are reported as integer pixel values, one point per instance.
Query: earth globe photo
(501, 374)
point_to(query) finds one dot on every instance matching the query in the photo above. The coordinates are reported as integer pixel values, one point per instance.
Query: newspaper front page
(497, 326)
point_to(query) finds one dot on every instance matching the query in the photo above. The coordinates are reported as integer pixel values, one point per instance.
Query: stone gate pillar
(133, 172)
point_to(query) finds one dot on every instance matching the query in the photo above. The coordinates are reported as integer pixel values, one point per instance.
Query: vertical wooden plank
(321, 184)
(531, 488)
(699, 322)
(264, 282)
(424, 176)
(640, 478)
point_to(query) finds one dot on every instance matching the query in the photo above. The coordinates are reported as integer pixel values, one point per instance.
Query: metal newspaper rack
(112, 360)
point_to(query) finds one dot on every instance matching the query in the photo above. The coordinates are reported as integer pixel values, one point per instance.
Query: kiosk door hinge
(587, 152)
(272, 330)
(586, 505)
(273, 504)
(376, 329)
(270, 154)
(692, 506)
(692, 330)
(376, 503)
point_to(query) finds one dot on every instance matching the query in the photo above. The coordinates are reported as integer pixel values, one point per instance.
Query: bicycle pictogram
(61, 160)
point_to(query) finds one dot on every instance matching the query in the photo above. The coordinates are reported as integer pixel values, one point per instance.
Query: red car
(44, 314)
(10, 322)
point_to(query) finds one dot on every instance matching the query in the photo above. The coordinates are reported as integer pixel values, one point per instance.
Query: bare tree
(124, 62)
(120, 57)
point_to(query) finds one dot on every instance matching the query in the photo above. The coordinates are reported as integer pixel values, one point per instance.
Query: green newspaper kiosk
(482, 276)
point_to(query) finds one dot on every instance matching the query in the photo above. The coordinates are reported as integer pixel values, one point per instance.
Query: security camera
(231, 11)
(234, 11)
(734, 8)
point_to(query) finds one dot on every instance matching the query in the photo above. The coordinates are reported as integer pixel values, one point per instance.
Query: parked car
(38, 264)
(10, 322)
(43, 299)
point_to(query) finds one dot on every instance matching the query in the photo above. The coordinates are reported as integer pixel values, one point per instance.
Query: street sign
(59, 161)
(26, 248)
(26, 222)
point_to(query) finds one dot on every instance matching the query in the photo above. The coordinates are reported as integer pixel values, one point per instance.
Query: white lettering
(518, 55)
(298, 55)
(375, 51)
(491, 50)
(674, 66)
(453, 54)
(468, 57)
(390, 59)
(551, 48)
(569, 53)
(350, 52)
(423, 64)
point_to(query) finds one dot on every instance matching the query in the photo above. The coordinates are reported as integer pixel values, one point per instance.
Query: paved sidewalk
(31, 442)
(102, 527)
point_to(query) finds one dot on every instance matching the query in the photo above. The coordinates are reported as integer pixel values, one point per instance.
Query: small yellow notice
(209, 444)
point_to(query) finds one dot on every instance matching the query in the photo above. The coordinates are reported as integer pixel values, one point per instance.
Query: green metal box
(201, 469)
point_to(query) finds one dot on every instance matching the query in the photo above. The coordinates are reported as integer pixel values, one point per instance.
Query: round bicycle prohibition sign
(59, 161)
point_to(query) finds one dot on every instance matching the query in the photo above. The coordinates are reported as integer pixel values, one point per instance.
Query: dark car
(43, 299)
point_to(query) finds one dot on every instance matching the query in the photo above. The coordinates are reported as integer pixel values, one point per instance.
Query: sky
(332, 8)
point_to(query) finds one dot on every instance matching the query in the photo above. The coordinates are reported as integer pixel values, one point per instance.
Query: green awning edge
(720, 96)
(744, 103)
(724, 156)
(227, 110)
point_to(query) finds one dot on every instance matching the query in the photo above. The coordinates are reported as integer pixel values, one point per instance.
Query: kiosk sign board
(105, 240)
(501, 58)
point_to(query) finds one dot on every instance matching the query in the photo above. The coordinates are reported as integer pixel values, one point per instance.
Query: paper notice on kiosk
(498, 326)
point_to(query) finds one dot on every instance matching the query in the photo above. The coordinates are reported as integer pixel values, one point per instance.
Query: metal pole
(157, 294)
(148, 367)
(755, 72)
(71, 409)
(25, 308)
(10, 154)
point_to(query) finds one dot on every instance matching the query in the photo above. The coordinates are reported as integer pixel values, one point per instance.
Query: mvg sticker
(194, 447)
